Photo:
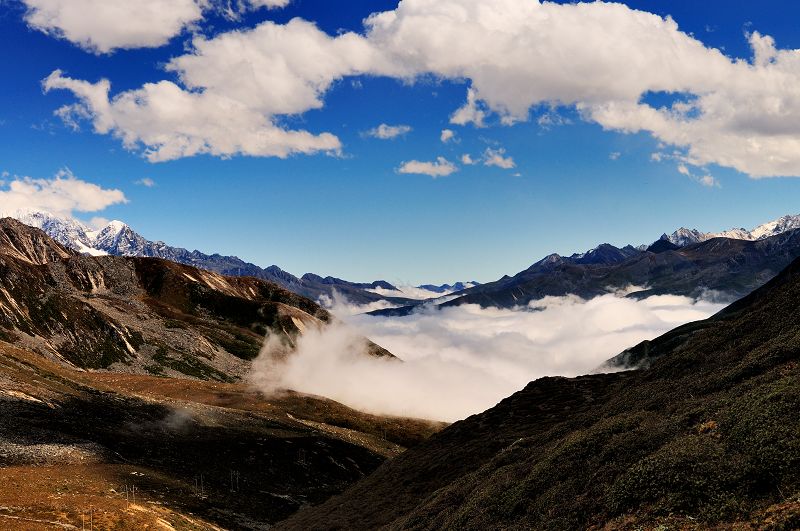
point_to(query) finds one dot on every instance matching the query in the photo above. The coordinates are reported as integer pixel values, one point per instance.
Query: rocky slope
(140, 315)
(707, 436)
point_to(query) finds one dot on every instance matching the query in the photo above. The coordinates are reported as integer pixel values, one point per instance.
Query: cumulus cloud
(61, 195)
(447, 135)
(463, 360)
(102, 26)
(735, 113)
(440, 168)
(614, 155)
(467, 159)
(388, 132)
(234, 87)
(496, 157)
(470, 113)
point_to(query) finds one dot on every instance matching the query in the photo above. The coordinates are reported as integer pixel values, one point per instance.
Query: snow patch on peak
(115, 227)
(66, 231)
(684, 236)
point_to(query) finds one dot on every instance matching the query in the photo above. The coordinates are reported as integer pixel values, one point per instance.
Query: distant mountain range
(683, 236)
(449, 288)
(716, 267)
(724, 265)
(119, 239)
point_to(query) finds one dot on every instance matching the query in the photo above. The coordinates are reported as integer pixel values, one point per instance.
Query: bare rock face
(140, 315)
(31, 246)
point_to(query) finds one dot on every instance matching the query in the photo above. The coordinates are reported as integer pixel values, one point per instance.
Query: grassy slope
(82, 436)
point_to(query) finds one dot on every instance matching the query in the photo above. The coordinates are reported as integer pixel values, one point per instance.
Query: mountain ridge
(118, 239)
(683, 236)
(141, 315)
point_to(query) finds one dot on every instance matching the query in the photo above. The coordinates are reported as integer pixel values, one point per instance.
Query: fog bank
(462, 360)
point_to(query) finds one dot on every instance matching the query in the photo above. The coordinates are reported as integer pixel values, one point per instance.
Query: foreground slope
(709, 433)
(200, 454)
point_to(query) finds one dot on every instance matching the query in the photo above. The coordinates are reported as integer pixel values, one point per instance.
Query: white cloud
(102, 26)
(447, 135)
(62, 195)
(741, 115)
(709, 181)
(470, 112)
(463, 360)
(467, 159)
(147, 182)
(614, 155)
(388, 132)
(552, 118)
(706, 180)
(235, 87)
(410, 292)
(440, 168)
(271, 4)
(735, 113)
(496, 157)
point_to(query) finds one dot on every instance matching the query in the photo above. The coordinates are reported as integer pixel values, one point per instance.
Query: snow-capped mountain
(683, 236)
(68, 232)
(118, 239)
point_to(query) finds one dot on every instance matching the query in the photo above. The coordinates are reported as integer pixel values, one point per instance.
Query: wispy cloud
(705, 179)
(147, 182)
(388, 132)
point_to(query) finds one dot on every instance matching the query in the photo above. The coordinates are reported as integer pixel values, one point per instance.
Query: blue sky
(353, 214)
